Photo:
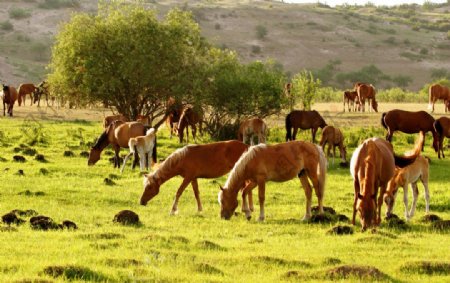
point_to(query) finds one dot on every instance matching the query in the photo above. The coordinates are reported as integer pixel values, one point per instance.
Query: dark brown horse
(349, 98)
(437, 91)
(117, 134)
(173, 113)
(410, 123)
(42, 89)
(367, 92)
(9, 96)
(304, 120)
(442, 127)
(23, 91)
(189, 118)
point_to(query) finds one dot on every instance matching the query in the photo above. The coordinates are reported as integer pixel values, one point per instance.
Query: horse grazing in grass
(404, 176)
(109, 119)
(409, 123)
(117, 134)
(23, 91)
(42, 89)
(435, 92)
(372, 166)
(442, 127)
(251, 128)
(9, 96)
(192, 162)
(145, 146)
(189, 117)
(349, 98)
(304, 120)
(278, 163)
(334, 137)
(367, 92)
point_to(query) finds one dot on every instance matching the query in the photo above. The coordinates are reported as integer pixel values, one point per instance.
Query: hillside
(409, 42)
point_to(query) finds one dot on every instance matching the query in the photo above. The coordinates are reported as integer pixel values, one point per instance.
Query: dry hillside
(411, 41)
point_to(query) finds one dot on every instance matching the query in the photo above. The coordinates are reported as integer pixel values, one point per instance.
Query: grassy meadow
(192, 246)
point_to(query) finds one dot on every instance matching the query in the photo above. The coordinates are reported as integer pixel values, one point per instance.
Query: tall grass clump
(18, 13)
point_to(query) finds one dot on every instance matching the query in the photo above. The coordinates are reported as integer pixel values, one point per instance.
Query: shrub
(217, 26)
(19, 13)
(6, 26)
(261, 31)
(390, 40)
(256, 49)
(57, 4)
(424, 51)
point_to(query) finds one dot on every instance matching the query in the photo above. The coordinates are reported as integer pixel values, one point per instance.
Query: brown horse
(191, 118)
(334, 137)
(9, 96)
(304, 120)
(42, 89)
(117, 134)
(144, 119)
(442, 127)
(24, 90)
(367, 92)
(372, 166)
(109, 119)
(279, 163)
(409, 123)
(252, 127)
(173, 117)
(349, 98)
(192, 162)
(437, 91)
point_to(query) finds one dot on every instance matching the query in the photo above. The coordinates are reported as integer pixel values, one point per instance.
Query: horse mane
(101, 139)
(171, 161)
(369, 174)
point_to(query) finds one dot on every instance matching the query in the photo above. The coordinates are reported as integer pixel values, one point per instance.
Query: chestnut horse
(372, 166)
(442, 127)
(23, 91)
(189, 117)
(349, 98)
(409, 123)
(9, 97)
(435, 92)
(251, 128)
(109, 119)
(367, 91)
(192, 162)
(279, 163)
(304, 120)
(334, 137)
(117, 134)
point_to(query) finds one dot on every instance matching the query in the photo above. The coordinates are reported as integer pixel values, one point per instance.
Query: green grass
(191, 246)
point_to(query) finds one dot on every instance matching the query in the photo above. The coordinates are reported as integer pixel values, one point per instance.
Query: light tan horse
(250, 128)
(192, 162)
(189, 118)
(278, 163)
(109, 119)
(367, 92)
(334, 137)
(24, 90)
(145, 147)
(349, 98)
(402, 178)
(372, 167)
(9, 96)
(442, 128)
(435, 92)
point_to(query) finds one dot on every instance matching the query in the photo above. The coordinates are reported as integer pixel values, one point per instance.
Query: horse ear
(360, 196)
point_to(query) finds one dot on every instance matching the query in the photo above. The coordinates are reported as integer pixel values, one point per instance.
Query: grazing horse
(251, 128)
(109, 119)
(145, 146)
(279, 163)
(42, 88)
(435, 92)
(117, 134)
(334, 137)
(349, 98)
(367, 91)
(372, 166)
(409, 123)
(191, 118)
(404, 176)
(304, 120)
(442, 127)
(173, 118)
(9, 96)
(23, 90)
(192, 162)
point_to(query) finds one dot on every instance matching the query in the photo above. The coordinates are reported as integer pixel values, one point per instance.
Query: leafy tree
(440, 73)
(304, 88)
(402, 81)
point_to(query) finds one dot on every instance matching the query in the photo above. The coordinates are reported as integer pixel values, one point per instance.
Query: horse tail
(288, 127)
(430, 97)
(383, 123)
(154, 151)
(321, 170)
(438, 127)
(19, 97)
(405, 160)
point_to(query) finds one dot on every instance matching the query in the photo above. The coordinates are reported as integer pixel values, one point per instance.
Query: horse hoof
(174, 212)
(249, 217)
(261, 219)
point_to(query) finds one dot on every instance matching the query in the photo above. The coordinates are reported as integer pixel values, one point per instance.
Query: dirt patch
(340, 230)
(68, 153)
(84, 154)
(2, 159)
(72, 272)
(11, 218)
(32, 194)
(109, 182)
(19, 158)
(40, 158)
(127, 217)
(361, 272)
(207, 268)
(208, 245)
(43, 171)
(426, 267)
(326, 209)
(42, 222)
(441, 225)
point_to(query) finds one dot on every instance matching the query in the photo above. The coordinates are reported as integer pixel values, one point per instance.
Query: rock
(42, 222)
(69, 225)
(40, 158)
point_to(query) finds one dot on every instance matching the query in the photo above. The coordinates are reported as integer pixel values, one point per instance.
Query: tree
(304, 88)
(402, 81)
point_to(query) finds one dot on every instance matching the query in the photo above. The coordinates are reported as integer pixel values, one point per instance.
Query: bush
(19, 13)
(261, 31)
(256, 49)
(424, 51)
(217, 26)
(6, 26)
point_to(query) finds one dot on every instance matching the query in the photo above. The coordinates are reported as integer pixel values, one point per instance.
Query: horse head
(375, 105)
(151, 188)
(97, 148)
(366, 207)
(228, 203)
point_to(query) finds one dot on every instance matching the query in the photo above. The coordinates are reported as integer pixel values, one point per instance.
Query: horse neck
(369, 173)
(169, 168)
(237, 175)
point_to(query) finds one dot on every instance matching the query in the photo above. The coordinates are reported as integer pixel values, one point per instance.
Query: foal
(251, 128)
(145, 146)
(402, 177)
(334, 137)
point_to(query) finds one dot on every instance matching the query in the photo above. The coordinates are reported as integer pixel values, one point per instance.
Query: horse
(372, 166)
(144, 119)
(303, 119)
(404, 176)
(109, 119)
(42, 88)
(173, 118)
(442, 127)
(117, 134)
(145, 146)
(23, 90)
(349, 98)
(367, 91)
(409, 123)
(281, 162)
(435, 92)
(9, 96)
(334, 137)
(192, 162)
(189, 117)
(251, 128)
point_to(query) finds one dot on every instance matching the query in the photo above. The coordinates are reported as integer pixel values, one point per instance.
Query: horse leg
(247, 207)
(424, 180)
(142, 159)
(356, 186)
(180, 191)
(405, 200)
(319, 193)
(116, 156)
(194, 184)
(308, 193)
(389, 135)
(294, 133)
(125, 161)
(262, 198)
(380, 201)
(415, 191)
(313, 132)
(194, 132)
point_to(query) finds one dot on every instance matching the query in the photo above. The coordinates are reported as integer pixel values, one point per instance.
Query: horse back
(127, 130)
(306, 119)
(9, 95)
(26, 89)
(409, 122)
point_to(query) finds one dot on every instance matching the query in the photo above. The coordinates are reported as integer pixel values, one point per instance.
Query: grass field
(194, 247)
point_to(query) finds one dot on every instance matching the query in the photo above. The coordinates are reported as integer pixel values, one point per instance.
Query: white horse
(145, 146)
